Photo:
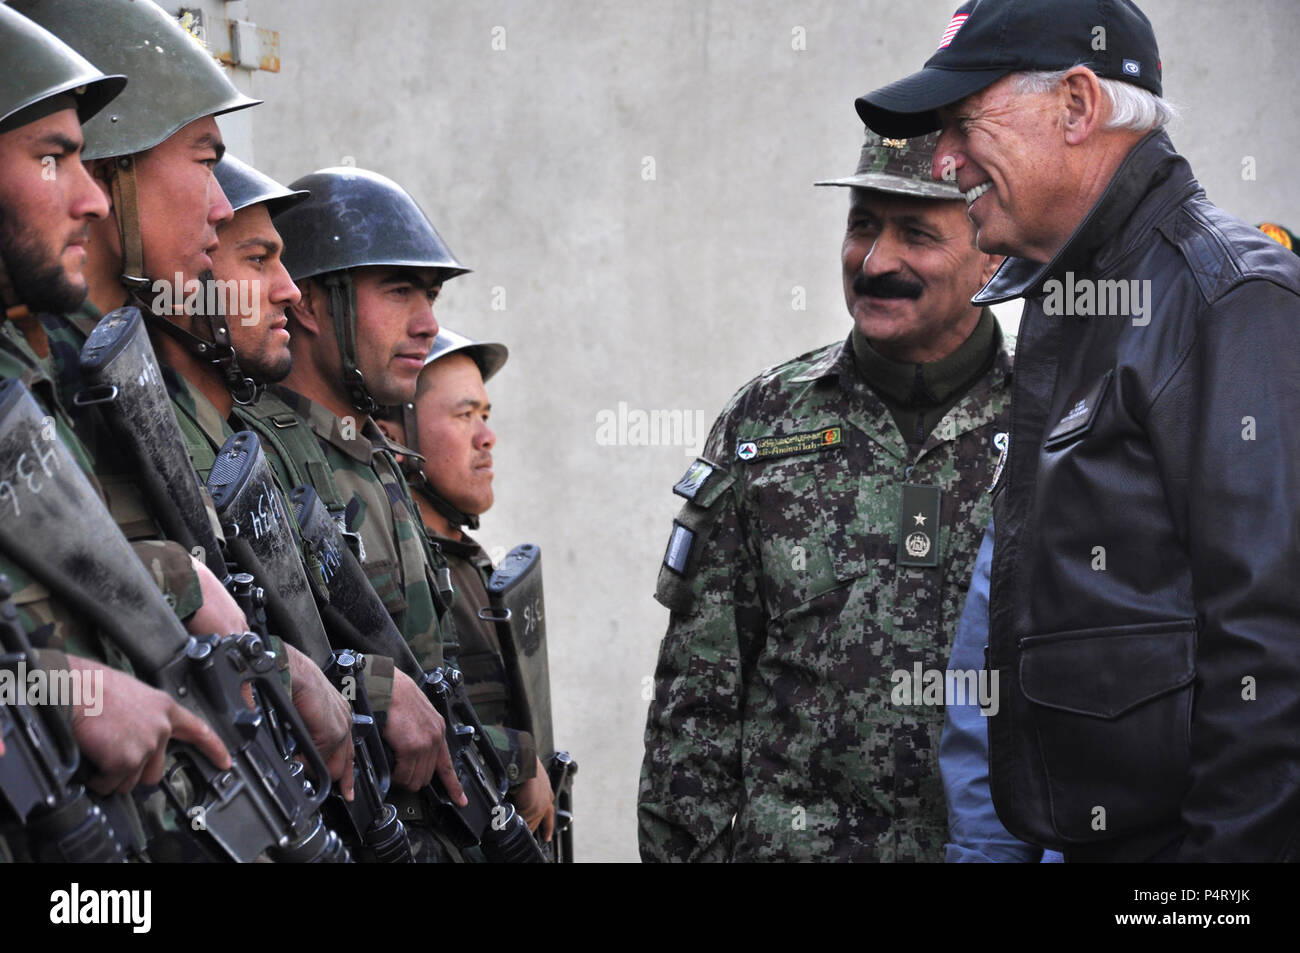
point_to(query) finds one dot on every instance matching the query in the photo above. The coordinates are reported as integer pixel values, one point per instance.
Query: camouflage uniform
(52, 629)
(479, 658)
(378, 508)
(169, 563)
(790, 613)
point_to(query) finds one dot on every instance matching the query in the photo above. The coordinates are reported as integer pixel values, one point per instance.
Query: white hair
(1131, 107)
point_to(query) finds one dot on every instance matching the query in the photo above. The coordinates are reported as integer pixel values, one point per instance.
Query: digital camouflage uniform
(479, 658)
(790, 614)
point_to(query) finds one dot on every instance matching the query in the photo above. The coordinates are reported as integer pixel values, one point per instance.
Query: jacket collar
(837, 360)
(359, 445)
(1151, 162)
(931, 384)
(194, 404)
(465, 548)
(869, 414)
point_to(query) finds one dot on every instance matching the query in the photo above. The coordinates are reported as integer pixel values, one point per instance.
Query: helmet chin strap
(442, 505)
(419, 482)
(218, 351)
(343, 309)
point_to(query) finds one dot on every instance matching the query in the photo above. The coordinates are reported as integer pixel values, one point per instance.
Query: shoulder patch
(678, 553)
(786, 445)
(697, 474)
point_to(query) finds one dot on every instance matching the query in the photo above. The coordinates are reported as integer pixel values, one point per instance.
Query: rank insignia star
(920, 519)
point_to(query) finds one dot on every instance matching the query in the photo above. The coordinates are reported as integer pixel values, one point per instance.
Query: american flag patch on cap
(953, 26)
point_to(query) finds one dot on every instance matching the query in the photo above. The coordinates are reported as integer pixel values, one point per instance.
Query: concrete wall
(529, 130)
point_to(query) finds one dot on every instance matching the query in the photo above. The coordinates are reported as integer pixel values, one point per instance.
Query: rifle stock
(261, 803)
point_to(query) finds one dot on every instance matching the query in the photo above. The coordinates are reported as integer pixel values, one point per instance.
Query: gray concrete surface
(529, 132)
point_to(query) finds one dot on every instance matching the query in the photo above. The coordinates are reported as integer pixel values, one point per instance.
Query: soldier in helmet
(47, 201)
(824, 547)
(369, 265)
(154, 155)
(451, 475)
(255, 292)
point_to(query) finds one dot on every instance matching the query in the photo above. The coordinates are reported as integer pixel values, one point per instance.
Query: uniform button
(512, 772)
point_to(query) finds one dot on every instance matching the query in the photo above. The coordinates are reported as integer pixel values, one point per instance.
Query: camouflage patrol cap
(900, 166)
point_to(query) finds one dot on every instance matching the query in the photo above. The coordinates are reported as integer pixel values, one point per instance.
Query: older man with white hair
(1144, 612)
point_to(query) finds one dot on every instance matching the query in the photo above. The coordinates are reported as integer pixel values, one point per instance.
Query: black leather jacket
(1145, 604)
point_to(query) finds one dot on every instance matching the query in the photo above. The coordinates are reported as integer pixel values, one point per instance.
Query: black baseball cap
(987, 39)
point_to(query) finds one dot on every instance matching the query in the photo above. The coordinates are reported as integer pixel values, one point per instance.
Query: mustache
(886, 286)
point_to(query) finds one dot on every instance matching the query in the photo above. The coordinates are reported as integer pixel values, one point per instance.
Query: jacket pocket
(810, 529)
(1111, 712)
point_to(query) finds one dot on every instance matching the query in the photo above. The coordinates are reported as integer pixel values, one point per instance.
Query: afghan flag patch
(787, 445)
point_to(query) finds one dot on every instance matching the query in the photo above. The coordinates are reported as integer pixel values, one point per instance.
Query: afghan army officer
(822, 556)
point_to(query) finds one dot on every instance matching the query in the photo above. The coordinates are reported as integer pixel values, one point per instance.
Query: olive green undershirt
(918, 395)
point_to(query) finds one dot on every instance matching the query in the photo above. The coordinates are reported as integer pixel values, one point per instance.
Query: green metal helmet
(174, 79)
(245, 186)
(356, 218)
(49, 67)
(488, 355)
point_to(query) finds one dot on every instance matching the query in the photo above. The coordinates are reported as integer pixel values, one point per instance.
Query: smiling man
(825, 546)
(1143, 607)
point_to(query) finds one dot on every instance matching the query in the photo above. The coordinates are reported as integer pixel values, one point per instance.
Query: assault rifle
(38, 770)
(119, 364)
(370, 826)
(124, 381)
(519, 611)
(57, 528)
(488, 821)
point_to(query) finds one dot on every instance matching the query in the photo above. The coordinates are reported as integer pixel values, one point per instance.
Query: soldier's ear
(305, 312)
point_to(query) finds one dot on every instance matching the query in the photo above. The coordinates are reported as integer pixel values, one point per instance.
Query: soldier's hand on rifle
(219, 612)
(536, 802)
(125, 730)
(417, 735)
(327, 715)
